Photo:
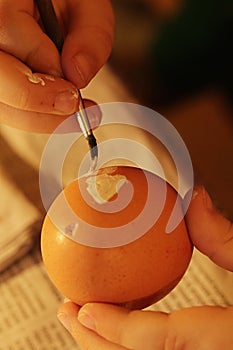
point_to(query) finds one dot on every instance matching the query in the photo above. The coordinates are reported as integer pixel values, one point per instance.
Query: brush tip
(93, 146)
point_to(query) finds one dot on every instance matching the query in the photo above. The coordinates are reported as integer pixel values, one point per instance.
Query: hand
(115, 328)
(102, 326)
(33, 96)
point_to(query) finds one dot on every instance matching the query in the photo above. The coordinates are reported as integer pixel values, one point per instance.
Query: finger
(29, 121)
(202, 328)
(206, 327)
(37, 102)
(86, 339)
(88, 41)
(22, 37)
(210, 232)
(124, 327)
(47, 123)
(22, 89)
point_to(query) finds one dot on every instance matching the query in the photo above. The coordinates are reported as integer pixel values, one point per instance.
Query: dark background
(176, 57)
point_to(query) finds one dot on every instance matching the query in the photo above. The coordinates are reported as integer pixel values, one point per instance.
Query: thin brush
(52, 29)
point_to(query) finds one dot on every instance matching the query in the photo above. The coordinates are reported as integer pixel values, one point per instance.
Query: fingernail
(86, 320)
(194, 194)
(82, 65)
(94, 115)
(66, 300)
(66, 102)
(64, 320)
(207, 199)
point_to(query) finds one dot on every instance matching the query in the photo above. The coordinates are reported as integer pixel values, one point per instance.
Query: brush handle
(50, 22)
(52, 29)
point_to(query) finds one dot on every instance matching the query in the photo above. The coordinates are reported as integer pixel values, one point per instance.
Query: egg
(118, 251)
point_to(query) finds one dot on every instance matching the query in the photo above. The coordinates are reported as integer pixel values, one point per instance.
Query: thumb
(88, 40)
(83, 335)
(210, 232)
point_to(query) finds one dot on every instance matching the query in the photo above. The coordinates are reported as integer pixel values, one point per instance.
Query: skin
(28, 55)
(102, 326)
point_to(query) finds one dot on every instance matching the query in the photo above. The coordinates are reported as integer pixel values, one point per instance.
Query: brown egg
(124, 255)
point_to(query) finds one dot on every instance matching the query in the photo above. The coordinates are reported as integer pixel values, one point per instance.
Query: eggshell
(136, 273)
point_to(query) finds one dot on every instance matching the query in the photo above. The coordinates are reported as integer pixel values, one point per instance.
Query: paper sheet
(28, 307)
(19, 222)
(204, 283)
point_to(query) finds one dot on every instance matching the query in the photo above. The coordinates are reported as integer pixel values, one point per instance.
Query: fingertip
(64, 320)
(199, 200)
(66, 300)
(198, 219)
(100, 312)
(68, 307)
(94, 113)
(67, 312)
(79, 68)
(83, 64)
(205, 197)
(85, 51)
(197, 216)
(65, 102)
(85, 317)
(210, 232)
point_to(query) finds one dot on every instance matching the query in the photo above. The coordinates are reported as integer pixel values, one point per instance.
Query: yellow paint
(50, 77)
(102, 187)
(35, 79)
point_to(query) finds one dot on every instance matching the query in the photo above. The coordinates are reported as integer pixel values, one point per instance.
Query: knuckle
(173, 340)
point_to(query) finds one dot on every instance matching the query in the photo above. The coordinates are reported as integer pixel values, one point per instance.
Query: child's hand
(32, 94)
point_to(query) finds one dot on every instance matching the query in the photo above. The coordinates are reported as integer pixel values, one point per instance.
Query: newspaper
(29, 301)
(204, 283)
(19, 222)
(28, 307)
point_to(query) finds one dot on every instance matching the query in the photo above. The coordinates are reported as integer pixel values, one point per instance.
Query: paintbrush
(52, 29)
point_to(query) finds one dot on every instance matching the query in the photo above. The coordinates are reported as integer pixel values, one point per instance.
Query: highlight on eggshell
(135, 274)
